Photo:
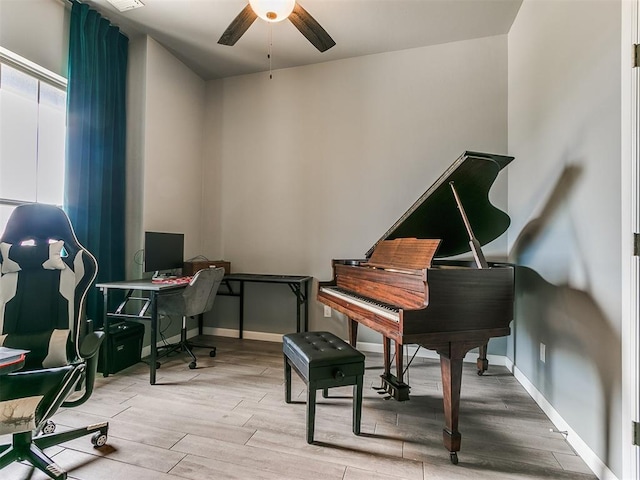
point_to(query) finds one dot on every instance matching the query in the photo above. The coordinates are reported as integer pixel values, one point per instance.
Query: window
(32, 134)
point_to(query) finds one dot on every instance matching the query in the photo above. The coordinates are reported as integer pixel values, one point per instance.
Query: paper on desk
(8, 354)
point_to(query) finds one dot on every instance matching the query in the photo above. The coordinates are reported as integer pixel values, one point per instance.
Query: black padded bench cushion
(323, 361)
(310, 351)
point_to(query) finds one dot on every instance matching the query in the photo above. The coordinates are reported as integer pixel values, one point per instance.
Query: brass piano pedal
(383, 390)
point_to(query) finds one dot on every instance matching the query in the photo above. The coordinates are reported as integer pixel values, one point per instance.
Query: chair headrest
(39, 222)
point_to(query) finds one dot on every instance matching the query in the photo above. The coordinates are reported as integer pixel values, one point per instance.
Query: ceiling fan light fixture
(273, 10)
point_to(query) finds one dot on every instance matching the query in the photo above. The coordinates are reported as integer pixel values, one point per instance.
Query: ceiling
(190, 29)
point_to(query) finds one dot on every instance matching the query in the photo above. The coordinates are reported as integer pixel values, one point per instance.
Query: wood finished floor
(227, 419)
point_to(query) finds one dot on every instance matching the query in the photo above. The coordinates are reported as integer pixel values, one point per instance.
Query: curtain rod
(102, 14)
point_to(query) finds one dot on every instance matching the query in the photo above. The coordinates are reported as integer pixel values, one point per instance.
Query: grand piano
(406, 289)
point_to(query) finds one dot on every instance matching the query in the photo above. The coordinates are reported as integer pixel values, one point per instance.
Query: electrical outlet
(543, 352)
(327, 311)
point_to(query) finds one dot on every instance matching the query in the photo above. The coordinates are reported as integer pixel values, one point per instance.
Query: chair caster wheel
(453, 456)
(212, 353)
(192, 365)
(99, 439)
(49, 427)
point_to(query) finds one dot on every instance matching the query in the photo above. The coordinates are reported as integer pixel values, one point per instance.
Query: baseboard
(248, 335)
(470, 357)
(580, 447)
(220, 332)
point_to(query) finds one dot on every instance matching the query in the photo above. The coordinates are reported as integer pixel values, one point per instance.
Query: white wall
(136, 134)
(37, 30)
(564, 202)
(174, 114)
(318, 162)
(212, 174)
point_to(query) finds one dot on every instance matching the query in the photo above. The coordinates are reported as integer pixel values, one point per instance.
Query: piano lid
(435, 214)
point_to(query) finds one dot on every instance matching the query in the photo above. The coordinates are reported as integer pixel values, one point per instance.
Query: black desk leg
(306, 306)
(299, 301)
(105, 326)
(241, 322)
(154, 338)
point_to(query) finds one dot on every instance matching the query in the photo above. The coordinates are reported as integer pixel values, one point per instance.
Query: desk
(11, 359)
(298, 284)
(148, 311)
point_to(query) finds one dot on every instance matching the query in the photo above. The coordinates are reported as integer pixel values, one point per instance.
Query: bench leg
(287, 380)
(357, 405)
(325, 393)
(311, 411)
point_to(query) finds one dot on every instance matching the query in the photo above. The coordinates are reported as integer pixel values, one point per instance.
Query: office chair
(193, 300)
(45, 275)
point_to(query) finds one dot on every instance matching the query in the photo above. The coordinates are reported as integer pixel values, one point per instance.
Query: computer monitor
(163, 251)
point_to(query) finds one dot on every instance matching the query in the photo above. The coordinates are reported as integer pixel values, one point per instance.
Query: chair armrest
(90, 345)
(89, 350)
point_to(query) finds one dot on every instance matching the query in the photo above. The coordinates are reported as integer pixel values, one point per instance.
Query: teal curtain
(96, 137)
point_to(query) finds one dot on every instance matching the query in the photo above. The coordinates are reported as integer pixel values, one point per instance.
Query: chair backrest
(201, 292)
(45, 274)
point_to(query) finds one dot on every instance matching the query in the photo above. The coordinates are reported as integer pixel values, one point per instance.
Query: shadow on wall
(567, 320)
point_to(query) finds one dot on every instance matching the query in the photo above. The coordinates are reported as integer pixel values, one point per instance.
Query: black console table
(299, 286)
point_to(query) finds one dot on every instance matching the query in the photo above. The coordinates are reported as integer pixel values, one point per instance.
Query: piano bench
(323, 361)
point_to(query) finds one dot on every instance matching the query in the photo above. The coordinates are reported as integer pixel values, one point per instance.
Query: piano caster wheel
(192, 365)
(453, 456)
(158, 364)
(212, 353)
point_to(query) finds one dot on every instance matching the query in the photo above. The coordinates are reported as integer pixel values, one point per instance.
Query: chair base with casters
(184, 345)
(29, 445)
(25, 447)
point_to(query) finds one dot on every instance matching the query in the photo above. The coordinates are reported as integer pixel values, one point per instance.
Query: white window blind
(32, 134)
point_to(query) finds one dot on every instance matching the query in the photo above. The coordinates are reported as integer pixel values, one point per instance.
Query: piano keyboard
(383, 309)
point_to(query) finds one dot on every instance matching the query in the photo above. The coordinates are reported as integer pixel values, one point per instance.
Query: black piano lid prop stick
(476, 249)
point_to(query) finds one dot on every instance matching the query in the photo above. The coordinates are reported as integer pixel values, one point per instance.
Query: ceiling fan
(275, 11)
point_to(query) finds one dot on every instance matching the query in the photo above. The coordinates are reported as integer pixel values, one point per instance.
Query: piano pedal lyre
(383, 389)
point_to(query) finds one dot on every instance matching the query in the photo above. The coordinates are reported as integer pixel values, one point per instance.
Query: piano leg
(451, 368)
(482, 362)
(399, 363)
(353, 332)
(386, 349)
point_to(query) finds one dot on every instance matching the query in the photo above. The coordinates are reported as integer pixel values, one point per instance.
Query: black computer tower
(124, 344)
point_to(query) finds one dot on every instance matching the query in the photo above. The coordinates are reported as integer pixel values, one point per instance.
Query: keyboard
(383, 309)
(173, 281)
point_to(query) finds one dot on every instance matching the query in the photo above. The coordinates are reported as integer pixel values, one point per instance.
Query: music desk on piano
(408, 291)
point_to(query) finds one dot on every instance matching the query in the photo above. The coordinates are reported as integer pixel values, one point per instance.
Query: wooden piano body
(406, 293)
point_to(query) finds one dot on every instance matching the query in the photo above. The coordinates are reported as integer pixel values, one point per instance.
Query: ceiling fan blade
(239, 25)
(311, 29)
